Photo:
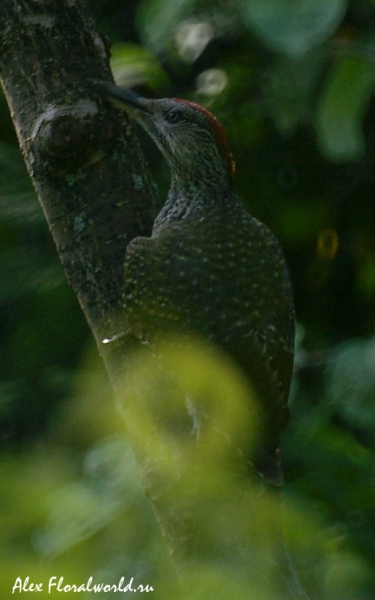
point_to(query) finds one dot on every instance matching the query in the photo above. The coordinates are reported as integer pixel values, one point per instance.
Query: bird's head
(191, 138)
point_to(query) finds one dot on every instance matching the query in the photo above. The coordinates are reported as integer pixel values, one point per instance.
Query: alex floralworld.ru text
(58, 585)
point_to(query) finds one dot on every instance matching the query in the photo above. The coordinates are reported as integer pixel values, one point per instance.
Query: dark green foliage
(297, 107)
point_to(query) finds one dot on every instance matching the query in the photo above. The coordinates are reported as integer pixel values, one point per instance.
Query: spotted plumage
(209, 266)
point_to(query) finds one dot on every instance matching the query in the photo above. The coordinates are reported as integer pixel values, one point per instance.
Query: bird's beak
(143, 110)
(122, 98)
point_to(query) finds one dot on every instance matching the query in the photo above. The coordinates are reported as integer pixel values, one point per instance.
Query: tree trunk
(81, 154)
(97, 195)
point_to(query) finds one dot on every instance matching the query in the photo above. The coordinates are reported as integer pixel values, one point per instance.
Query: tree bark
(97, 195)
(80, 152)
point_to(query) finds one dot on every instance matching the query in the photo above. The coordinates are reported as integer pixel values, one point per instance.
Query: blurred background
(293, 83)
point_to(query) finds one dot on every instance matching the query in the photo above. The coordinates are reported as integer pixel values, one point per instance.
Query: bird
(210, 267)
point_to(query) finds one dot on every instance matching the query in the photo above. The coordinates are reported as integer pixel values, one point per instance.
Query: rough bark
(80, 152)
(96, 195)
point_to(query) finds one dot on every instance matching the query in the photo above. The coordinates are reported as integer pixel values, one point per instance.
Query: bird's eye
(174, 116)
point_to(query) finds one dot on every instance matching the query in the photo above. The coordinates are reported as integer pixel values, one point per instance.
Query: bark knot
(67, 132)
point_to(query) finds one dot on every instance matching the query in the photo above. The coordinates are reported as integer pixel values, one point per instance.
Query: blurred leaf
(289, 88)
(351, 382)
(25, 270)
(343, 103)
(25, 482)
(157, 20)
(366, 274)
(194, 408)
(18, 201)
(9, 392)
(300, 221)
(346, 574)
(293, 26)
(192, 37)
(89, 414)
(21, 209)
(80, 509)
(134, 65)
